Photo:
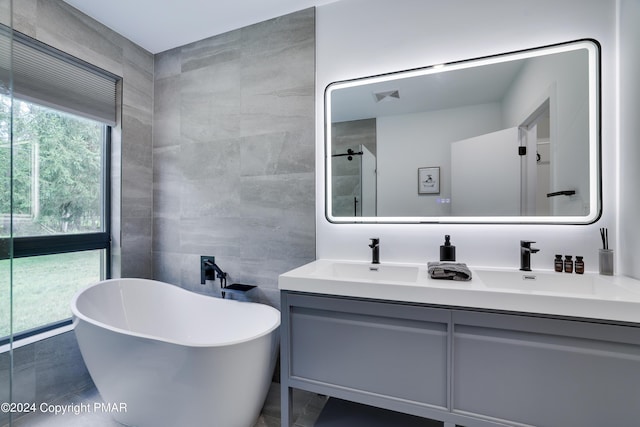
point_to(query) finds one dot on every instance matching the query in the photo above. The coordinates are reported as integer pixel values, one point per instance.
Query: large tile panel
(244, 135)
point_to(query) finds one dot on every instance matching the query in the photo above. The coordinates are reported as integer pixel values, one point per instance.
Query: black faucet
(210, 268)
(525, 254)
(375, 250)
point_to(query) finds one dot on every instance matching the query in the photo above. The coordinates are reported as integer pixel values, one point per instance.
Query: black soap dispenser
(447, 251)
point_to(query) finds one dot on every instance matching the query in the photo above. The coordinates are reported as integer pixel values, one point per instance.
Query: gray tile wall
(233, 155)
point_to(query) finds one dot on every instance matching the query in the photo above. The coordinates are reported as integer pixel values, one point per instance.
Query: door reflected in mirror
(514, 137)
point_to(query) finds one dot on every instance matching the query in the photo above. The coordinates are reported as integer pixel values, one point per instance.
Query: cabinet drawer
(547, 372)
(369, 347)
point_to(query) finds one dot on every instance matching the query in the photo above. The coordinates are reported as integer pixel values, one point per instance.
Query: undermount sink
(550, 282)
(372, 272)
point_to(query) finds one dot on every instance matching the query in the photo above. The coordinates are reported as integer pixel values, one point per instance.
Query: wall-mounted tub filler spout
(525, 254)
(375, 250)
(209, 270)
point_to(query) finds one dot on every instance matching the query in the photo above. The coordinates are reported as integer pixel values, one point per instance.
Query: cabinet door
(545, 372)
(386, 349)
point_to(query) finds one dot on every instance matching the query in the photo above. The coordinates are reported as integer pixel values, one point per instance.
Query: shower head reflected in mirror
(350, 153)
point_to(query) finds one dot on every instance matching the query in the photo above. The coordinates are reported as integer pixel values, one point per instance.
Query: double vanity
(508, 348)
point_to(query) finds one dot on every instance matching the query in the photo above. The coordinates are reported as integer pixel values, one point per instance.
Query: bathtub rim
(77, 315)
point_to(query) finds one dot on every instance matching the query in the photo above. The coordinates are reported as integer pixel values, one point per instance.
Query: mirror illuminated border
(592, 203)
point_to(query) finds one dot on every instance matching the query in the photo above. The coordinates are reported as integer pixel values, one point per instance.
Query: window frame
(22, 55)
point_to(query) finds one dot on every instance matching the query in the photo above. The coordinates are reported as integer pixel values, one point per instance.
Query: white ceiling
(429, 90)
(159, 25)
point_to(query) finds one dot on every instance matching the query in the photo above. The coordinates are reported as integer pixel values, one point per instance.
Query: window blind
(50, 77)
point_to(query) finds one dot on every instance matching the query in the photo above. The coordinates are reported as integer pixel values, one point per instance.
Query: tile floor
(340, 413)
(306, 409)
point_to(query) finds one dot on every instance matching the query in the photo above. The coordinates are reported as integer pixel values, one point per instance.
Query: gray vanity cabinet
(381, 354)
(461, 366)
(545, 372)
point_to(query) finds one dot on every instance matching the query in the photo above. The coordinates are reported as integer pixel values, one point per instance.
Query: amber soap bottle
(558, 265)
(568, 264)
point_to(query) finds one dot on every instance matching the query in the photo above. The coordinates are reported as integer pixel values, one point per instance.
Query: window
(54, 182)
(57, 173)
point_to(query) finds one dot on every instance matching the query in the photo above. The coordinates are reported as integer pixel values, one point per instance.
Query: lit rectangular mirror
(511, 138)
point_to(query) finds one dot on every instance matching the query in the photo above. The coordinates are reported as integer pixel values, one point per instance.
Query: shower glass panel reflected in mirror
(354, 168)
(514, 138)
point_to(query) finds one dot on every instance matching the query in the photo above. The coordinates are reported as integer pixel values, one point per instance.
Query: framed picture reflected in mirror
(429, 180)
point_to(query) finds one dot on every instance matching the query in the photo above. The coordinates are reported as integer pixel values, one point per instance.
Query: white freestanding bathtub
(165, 356)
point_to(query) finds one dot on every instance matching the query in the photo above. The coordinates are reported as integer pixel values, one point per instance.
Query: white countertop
(612, 298)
